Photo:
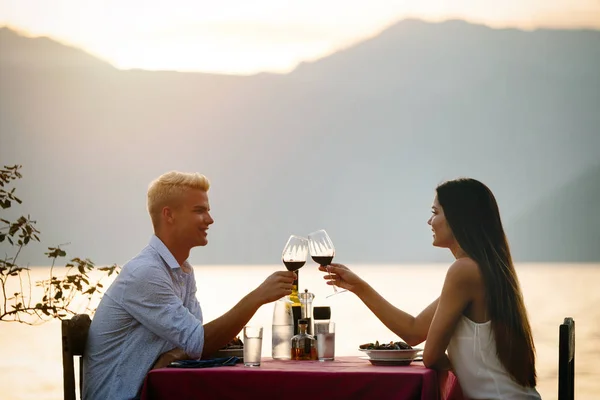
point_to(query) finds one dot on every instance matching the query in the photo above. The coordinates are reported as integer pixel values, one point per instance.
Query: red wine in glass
(322, 251)
(293, 265)
(322, 260)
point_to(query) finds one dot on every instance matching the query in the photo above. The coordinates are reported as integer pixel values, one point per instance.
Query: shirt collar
(164, 252)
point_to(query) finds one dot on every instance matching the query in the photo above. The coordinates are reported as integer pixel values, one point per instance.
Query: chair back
(74, 334)
(566, 360)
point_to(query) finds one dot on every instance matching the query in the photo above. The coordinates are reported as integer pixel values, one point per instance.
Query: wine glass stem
(334, 288)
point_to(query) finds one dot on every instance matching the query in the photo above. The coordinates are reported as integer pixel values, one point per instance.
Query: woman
(480, 316)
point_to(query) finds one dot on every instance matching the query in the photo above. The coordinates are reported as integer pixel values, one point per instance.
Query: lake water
(30, 356)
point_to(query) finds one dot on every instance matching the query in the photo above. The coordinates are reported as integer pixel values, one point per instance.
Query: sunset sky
(245, 37)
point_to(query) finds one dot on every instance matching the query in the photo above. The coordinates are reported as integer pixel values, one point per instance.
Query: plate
(229, 353)
(387, 362)
(407, 354)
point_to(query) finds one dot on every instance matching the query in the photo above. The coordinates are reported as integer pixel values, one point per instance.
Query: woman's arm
(457, 293)
(413, 330)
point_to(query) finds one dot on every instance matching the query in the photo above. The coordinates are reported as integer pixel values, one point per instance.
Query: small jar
(304, 346)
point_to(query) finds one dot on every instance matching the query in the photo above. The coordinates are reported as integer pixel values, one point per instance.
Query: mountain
(354, 143)
(567, 219)
(23, 52)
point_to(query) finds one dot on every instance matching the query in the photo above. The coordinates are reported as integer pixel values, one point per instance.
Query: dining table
(344, 378)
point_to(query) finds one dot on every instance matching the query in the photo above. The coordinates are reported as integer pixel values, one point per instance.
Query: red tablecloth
(344, 378)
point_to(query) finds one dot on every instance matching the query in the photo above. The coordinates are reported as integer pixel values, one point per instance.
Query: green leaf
(13, 229)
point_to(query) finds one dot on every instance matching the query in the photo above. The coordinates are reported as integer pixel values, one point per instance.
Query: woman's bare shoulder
(463, 271)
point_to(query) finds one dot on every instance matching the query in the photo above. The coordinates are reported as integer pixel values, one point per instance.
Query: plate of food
(235, 347)
(390, 351)
(386, 363)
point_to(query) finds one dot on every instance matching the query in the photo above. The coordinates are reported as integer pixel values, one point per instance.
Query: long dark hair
(473, 216)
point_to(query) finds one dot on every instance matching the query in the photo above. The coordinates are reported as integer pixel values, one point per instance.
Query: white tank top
(472, 351)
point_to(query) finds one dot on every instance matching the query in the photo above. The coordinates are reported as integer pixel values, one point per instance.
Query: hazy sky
(242, 37)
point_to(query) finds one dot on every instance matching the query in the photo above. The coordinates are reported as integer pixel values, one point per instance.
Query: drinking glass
(252, 345)
(322, 252)
(325, 334)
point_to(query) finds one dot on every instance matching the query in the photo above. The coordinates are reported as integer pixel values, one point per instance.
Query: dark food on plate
(234, 344)
(386, 346)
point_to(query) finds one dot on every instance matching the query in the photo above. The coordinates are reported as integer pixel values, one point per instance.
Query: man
(150, 316)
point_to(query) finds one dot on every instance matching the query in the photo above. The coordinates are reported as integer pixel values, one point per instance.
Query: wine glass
(294, 254)
(322, 252)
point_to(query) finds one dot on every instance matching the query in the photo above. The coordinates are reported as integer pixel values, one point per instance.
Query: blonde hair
(169, 187)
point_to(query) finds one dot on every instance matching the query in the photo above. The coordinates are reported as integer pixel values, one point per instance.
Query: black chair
(566, 360)
(74, 334)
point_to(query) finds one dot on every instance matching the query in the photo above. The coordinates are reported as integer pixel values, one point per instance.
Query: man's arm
(168, 357)
(220, 331)
(150, 298)
(215, 334)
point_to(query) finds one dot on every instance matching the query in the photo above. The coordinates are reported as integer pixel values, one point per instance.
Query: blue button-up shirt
(149, 309)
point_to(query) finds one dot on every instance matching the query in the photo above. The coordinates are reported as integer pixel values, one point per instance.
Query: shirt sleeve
(191, 301)
(150, 298)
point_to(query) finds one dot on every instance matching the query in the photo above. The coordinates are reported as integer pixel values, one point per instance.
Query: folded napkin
(213, 362)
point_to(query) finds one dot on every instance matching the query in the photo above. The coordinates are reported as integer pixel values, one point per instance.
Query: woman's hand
(341, 276)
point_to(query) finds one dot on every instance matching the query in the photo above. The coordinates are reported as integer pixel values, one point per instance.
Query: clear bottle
(282, 330)
(304, 346)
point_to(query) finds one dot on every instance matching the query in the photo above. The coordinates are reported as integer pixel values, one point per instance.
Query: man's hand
(276, 286)
(168, 357)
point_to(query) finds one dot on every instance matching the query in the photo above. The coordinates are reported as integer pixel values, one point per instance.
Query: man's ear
(167, 214)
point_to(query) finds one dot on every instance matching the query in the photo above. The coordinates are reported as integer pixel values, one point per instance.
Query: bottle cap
(322, 312)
